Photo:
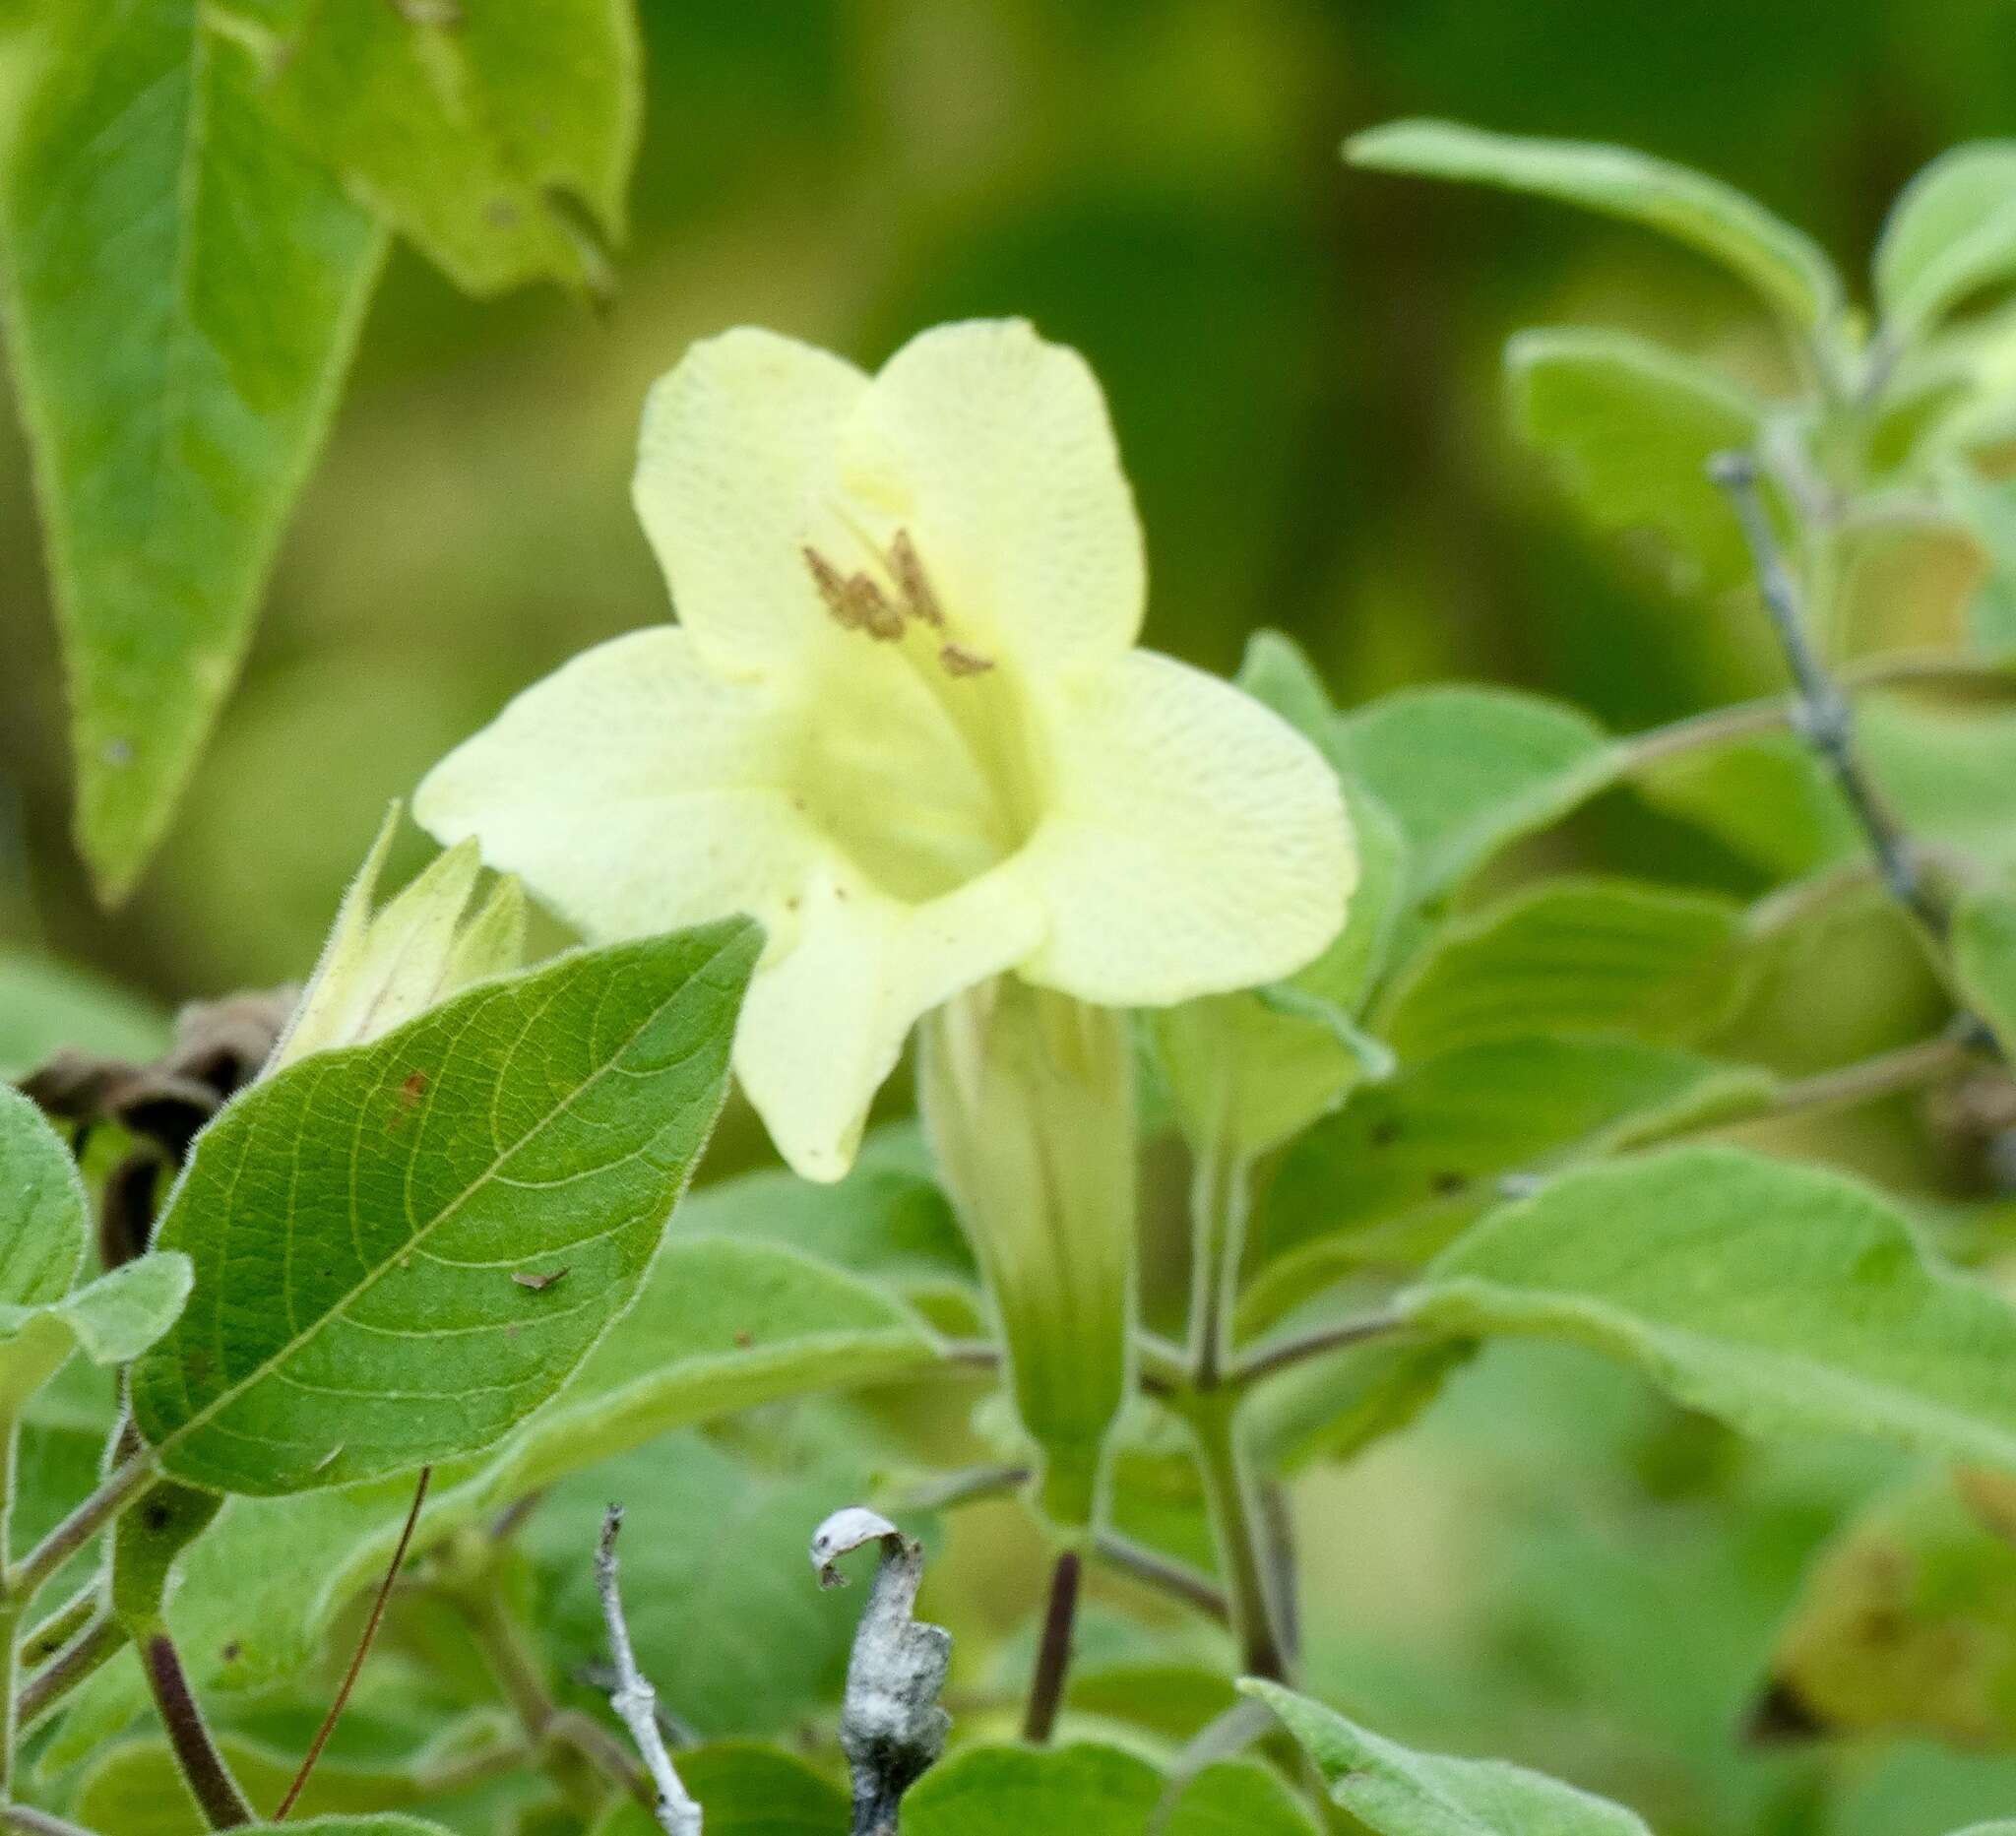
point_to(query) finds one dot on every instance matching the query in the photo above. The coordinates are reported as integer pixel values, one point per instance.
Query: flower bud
(380, 969)
(1027, 1099)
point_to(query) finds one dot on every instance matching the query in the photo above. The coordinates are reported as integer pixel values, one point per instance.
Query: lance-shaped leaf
(1397, 1792)
(1785, 265)
(1634, 426)
(1784, 1298)
(184, 289)
(499, 139)
(403, 1249)
(1951, 233)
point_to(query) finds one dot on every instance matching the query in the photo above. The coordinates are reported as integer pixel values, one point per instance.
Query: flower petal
(739, 444)
(633, 790)
(993, 449)
(824, 1024)
(1197, 843)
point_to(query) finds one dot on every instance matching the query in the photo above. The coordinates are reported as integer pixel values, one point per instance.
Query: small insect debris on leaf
(536, 1278)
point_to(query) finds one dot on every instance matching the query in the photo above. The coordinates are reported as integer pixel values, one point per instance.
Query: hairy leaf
(45, 1215)
(1951, 233)
(499, 139)
(403, 1249)
(1785, 265)
(1784, 1298)
(1467, 770)
(1397, 1792)
(184, 292)
(1635, 426)
(1578, 955)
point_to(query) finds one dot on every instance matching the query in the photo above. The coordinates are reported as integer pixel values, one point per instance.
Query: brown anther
(832, 583)
(869, 610)
(958, 661)
(913, 583)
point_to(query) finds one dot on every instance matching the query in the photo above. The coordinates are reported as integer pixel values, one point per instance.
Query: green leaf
(1398, 1792)
(1467, 770)
(1947, 770)
(1276, 673)
(1905, 1625)
(1767, 799)
(1332, 1408)
(183, 295)
(721, 1324)
(499, 139)
(1584, 956)
(45, 1215)
(1634, 425)
(1785, 265)
(137, 1789)
(887, 1218)
(404, 1247)
(744, 1790)
(1784, 1298)
(1988, 508)
(45, 1230)
(45, 1005)
(1009, 1791)
(1408, 1163)
(1984, 961)
(1238, 1797)
(1951, 233)
(387, 1823)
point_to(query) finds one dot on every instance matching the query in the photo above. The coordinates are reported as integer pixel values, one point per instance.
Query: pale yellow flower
(902, 723)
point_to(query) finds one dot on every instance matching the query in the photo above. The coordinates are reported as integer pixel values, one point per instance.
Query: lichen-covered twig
(634, 1699)
(1824, 718)
(891, 1727)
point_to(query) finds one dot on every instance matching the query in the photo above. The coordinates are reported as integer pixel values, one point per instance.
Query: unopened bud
(1028, 1097)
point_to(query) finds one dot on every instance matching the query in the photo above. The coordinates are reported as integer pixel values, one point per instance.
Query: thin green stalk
(1219, 1200)
(1235, 1508)
(84, 1523)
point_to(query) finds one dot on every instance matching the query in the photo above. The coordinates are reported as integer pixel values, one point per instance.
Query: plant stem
(1054, 1656)
(50, 1635)
(84, 1523)
(1220, 1194)
(1747, 720)
(216, 1793)
(1176, 1579)
(1824, 717)
(102, 1638)
(1284, 1352)
(12, 1601)
(33, 1822)
(1234, 1518)
(356, 1664)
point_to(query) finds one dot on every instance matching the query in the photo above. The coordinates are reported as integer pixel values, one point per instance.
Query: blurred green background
(1302, 365)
